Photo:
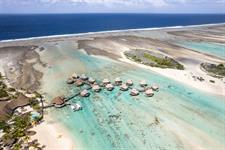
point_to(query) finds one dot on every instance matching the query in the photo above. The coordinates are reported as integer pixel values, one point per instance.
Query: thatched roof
(58, 100)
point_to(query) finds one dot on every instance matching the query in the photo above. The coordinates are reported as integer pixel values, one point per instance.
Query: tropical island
(113, 89)
(214, 70)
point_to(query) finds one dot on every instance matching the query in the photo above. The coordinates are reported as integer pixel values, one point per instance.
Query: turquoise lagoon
(215, 49)
(114, 120)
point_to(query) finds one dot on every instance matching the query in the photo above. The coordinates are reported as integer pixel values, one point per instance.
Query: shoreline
(57, 136)
(103, 32)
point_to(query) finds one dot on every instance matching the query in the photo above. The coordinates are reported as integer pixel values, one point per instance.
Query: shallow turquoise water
(115, 120)
(215, 49)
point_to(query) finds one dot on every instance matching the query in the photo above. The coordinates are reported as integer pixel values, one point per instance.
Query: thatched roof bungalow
(109, 87)
(123, 87)
(118, 81)
(129, 82)
(143, 83)
(106, 81)
(134, 92)
(75, 76)
(79, 82)
(96, 88)
(69, 81)
(84, 77)
(149, 92)
(91, 80)
(84, 93)
(155, 87)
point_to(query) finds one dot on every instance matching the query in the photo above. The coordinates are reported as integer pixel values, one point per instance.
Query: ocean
(35, 25)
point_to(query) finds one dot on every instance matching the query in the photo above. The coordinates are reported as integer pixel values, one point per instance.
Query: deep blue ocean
(24, 26)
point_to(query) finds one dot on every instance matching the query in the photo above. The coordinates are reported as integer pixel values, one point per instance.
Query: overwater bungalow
(75, 76)
(118, 81)
(129, 82)
(155, 87)
(69, 81)
(123, 87)
(149, 92)
(134, 92)
(84, 93)
(58, 102)
(143, 83)
(141, 89)
(79, 82)
(91, 80)
(109, 87)
(83, 77)
(96, 88)
(106, 81)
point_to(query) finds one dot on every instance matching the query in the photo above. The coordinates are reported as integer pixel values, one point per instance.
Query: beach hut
(143, 83)
(118, 81)
(69, 81)
(123, 87)
(149, 92)
(83, 77)
(106, 81)
(79, 82)
(109, 87)
(96, 88)
(134, 92)
(129, 82)
(155, 87)
(91, 80)
(58, 101)
(84, 93)
(75, 76)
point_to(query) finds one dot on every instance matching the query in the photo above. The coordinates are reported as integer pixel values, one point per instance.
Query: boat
(76, 107)
(69, 81)
(84, 77)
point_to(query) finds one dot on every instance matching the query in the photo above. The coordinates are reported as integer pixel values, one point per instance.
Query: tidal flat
(185, 113)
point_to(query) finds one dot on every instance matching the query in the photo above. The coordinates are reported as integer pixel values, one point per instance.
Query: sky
(112, 6)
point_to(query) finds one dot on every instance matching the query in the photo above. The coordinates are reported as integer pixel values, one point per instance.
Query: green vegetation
(153, 59)
(3, 93)
(214, 70)
(167, 62)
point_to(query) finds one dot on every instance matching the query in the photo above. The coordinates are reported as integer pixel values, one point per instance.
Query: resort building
(129, 82)
(118, 81)
(123, 87)
(134, 92)
(84, 93)
(109, 87)
(58, 102)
